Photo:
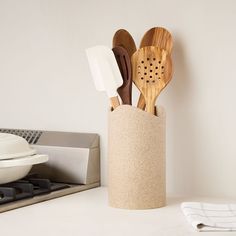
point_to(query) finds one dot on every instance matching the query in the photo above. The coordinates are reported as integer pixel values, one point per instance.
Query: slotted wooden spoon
(158, 37)
(124, 63)
(152, 71)
(123, 39)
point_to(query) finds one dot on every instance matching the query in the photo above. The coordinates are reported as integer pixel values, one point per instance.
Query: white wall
(45, 81)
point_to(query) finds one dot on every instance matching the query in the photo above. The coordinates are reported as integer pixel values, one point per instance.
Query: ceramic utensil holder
(136, 158)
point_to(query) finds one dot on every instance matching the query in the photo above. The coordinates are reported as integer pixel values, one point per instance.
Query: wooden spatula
(124, 63)
(159, 37)
(105, 72)
(152, 71)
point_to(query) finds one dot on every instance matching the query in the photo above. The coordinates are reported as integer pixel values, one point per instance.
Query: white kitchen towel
(210, 217)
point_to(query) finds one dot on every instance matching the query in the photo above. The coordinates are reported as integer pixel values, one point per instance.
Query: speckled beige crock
(136, 158)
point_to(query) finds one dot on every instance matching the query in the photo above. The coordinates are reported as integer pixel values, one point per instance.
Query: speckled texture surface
(136, 158)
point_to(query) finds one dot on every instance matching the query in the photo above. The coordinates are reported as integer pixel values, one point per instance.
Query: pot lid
(24, 161)
(13, 146)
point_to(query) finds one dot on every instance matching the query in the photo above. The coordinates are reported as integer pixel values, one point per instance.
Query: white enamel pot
(16, 158)
(14, 169)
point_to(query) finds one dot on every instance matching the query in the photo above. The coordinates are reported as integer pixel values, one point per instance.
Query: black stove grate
(28, 188)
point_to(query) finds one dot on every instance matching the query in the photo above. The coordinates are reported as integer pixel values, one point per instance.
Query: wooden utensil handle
(115, 102)
(150, 107)
(126, 99)
(141, 102)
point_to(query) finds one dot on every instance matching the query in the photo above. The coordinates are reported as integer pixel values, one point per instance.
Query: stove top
(33, 189)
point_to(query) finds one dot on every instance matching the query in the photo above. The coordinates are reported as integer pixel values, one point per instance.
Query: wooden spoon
(152, 71)
(159, 37)
(123, 61)
(124, 39)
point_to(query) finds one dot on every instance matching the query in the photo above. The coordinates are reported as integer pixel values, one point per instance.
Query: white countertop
(87, 213)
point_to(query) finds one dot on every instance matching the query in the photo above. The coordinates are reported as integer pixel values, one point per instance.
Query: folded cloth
(210, 217)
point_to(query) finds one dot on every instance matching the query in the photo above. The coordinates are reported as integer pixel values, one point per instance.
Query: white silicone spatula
(105, 72)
